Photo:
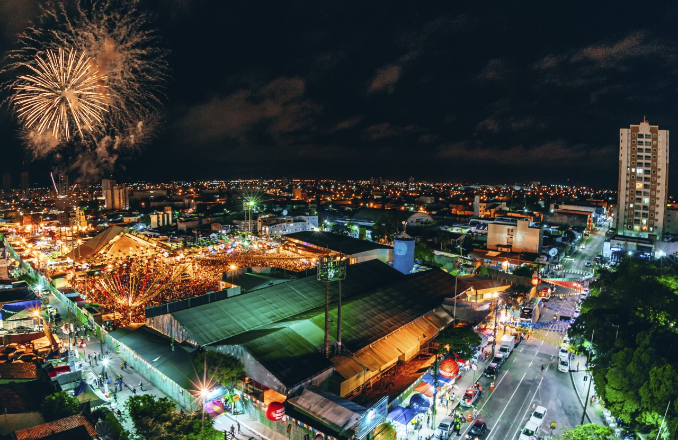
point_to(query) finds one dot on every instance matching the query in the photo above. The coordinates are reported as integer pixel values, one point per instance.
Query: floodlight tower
(248, 207)
(331, 269)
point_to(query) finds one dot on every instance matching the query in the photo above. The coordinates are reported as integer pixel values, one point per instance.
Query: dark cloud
(385, 78)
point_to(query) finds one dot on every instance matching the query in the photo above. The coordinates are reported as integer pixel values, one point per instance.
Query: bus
(530, 310)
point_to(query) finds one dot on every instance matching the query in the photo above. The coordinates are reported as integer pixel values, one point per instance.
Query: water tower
(403, 252)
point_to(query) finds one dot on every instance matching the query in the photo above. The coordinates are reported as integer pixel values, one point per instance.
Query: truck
(506, 345)
(530, 310)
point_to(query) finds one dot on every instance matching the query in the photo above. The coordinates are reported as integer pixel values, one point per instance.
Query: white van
(564, 365)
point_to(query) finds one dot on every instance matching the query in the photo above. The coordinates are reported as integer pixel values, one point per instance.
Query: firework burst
(63, 95)
(122, 50)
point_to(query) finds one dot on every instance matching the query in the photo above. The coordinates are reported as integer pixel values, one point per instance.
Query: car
(588, 264)
(491, 370)
(529, 431)
(583, 246)
(538, 415)
(477, 430)
(584, 295)
(563, 353)
(444, 428)
(498, 359)
(470, 397)
(564, 365)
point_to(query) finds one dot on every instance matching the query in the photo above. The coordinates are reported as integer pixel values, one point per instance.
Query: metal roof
(220, 320)
(336, 242)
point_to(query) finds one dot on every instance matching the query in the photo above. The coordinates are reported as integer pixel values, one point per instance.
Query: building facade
(643, 180)
(518, 236)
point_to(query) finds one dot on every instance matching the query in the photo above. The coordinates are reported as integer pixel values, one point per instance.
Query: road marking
(521, 350)
(528, 406)
(496, 386)
(507, 404)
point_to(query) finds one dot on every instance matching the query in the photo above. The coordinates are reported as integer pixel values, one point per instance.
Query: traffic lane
(520, 378)
(558, 396)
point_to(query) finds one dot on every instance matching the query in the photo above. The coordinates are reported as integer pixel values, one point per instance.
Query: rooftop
(48, 430)
(335, 242)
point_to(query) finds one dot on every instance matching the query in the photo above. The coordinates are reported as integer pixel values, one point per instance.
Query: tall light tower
(331, 269)
(248, 207)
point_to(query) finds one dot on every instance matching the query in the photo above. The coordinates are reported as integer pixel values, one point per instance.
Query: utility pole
(435, 389)
(327, 319)
(586, 402)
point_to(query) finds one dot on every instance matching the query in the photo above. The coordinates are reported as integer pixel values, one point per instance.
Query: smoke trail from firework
(62, 96)
(115, 37)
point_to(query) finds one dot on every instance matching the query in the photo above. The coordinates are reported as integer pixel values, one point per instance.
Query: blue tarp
(429, 379)
(19, 306)
(401, 415)
(80, 388)
(419, 403)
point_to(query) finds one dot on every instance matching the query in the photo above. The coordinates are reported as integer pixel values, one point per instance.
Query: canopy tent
(18, 307)
(419, 403)
(401, 415)
(441, 379)
(424, 388)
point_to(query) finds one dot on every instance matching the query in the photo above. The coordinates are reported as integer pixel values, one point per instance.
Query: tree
(221, 367)
(108, 426)
(443, 238)
(59, 405)
(157, 418)
(423, 253)
(524, 271)
(460, 340)
(590, 431)
(150, 415)
(632, 317)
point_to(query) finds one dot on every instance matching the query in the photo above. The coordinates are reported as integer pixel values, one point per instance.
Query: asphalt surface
(522, 384)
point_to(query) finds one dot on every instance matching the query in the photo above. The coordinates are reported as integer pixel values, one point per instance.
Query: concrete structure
(518, 236)
(116, 196)
(403, 254)
(283, 225)
(643, 180)
(25, 182)
(62, 184)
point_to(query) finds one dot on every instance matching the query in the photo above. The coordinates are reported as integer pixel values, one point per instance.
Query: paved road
(521, 385)
(594, 247)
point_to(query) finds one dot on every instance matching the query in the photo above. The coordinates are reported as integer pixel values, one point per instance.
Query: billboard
(331, 269)
(372, 418)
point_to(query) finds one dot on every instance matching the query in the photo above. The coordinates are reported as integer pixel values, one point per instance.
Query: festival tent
(424, 388)
(401, 415)
(419, 403)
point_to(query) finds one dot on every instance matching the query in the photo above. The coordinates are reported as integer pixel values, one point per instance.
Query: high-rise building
(116, 196)
(107, 191)
(643, 180)
(7, 182)
(62, 184)
(25, 181)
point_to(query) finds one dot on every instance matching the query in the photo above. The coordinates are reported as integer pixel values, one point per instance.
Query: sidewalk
(594, 412)
(465, 381)
(130, 378)
(249, 428)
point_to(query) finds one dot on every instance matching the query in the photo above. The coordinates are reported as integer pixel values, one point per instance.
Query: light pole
(586, 402)
(496, 309)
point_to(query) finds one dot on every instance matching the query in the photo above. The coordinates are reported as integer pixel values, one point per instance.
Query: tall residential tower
(643, 180)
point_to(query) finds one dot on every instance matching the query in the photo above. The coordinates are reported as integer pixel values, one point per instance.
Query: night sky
(511, 92)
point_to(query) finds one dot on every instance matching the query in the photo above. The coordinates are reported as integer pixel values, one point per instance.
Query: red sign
(275, 411)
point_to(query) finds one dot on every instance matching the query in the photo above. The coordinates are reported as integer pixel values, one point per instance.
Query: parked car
(588, 264)
(498, 359)
(444, 428)
(470, 397)
(564, 365)
(491, 371)
(538, 415)
(477, 431)
(529, 431)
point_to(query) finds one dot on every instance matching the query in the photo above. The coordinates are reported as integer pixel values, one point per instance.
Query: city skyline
(443, 94)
